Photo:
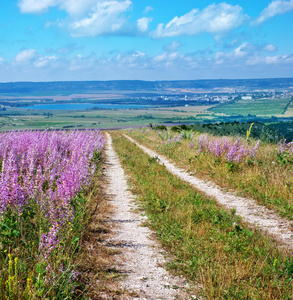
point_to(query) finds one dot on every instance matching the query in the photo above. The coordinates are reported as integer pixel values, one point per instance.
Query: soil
(141, 259)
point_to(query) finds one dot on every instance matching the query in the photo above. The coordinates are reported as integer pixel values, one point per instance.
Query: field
(47, 181)
(229, 263)
(253, 107)
(49, 193)
(17, 118)
(56, 238)
(265, 175)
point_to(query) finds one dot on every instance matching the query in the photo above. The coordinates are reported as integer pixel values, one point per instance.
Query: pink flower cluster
(284, 147)
(47, 168)
(49, 241)
(174, 139)
(231, 151)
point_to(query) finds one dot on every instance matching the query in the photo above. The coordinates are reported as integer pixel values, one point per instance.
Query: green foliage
(285, 129)
(284, 158)
(212, 246)
(24, 272)
(258, 131)
(253, 107)
(161, 127)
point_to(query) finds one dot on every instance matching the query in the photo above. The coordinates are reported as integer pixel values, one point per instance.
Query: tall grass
(264, 172)
(45, 196)
(212, 246)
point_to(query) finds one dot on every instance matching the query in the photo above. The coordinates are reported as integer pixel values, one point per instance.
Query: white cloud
(148, 9)
(36, 6)
(252, 55)
(106, 18)
(167, 57)
(172, 46)
(143, 24)
(90, 17)
(72, 7)
(279, 59)
(214, 19)
(44, 61)
(270, 48)
(77, 7)
(1, 60)
(245, 60)
(242, 50)
(25, 56)
(276, 7)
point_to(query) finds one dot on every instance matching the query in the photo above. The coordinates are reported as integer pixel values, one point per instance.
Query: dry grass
(96, 262)
(230, 261)
(266, 180)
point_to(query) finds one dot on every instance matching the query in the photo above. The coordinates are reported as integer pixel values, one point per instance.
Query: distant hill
(138, 85)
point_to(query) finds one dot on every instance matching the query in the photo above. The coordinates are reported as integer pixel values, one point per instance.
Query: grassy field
(267, 177)
(211, 246)
(253, 107)
(19, 118)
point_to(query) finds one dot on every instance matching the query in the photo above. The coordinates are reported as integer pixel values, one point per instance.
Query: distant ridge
(140, 85)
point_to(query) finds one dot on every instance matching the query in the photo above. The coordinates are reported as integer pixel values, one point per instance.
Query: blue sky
(48, 40)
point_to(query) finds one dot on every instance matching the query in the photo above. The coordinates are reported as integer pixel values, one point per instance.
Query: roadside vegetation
(48, 188)
(260, 170)
(212, 246)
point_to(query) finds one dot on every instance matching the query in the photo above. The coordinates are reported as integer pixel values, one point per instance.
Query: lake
(83, 106)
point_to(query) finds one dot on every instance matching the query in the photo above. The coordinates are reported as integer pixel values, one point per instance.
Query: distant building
(246, 97)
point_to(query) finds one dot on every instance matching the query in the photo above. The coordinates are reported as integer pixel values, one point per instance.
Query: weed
(254, 163)
(212, 246)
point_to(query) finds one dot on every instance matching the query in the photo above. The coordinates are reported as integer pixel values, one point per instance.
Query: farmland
(254, 107)
(17, 118)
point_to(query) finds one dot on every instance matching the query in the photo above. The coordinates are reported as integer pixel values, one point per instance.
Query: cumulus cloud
(106, 18)
(72, 7)
(214, 19)
(279, 59)
(143, 24)
(25, 56)
(276, 7)
(36, 6)
(245, 59)
(91, 17)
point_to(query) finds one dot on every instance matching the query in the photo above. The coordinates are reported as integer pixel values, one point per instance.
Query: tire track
(140, 257)
(252, 213)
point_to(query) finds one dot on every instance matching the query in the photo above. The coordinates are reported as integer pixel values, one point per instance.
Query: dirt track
(248, 209)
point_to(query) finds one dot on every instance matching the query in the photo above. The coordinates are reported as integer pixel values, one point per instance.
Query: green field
(21, 118)
(253, 107)
(261, 110)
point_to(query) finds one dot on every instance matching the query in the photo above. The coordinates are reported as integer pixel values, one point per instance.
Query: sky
(52, 40)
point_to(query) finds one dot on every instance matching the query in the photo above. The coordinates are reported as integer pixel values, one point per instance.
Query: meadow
(214, 248)
(47, 181)
(253, 168)
(50, 234)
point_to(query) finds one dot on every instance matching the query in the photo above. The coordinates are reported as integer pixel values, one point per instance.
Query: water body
(83, 106)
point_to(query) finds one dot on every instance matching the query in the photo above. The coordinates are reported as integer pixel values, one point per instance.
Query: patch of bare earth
(252, 213)
(139, 256)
